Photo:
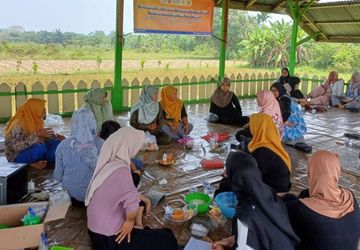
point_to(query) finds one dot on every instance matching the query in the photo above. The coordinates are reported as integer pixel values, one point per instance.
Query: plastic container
(200, 228)
(227, 202)
(181, 214)
(61, 248)
(202, 200)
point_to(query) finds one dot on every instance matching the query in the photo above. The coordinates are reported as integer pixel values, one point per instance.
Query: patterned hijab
(82, 135)
(93, 101)
(115, 153)
(265, 135)
(172, 107)
(221, 98)
(326, 197)
(148, 109)
(28, 117)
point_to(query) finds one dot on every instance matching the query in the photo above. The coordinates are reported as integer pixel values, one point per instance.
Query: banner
(173, 16)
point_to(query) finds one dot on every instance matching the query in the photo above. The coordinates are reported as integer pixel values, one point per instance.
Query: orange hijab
(171, 107)
(265, 134)
(326, 197)
(28, 117)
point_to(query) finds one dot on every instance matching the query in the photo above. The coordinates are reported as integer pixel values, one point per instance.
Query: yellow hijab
(171, 107)
(265, 134)
(28, 117)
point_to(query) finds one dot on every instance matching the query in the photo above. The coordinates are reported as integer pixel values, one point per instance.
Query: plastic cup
(210, 190)
(193, 189)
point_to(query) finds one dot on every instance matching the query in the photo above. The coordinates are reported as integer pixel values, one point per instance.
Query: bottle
(164, 158)
(313, 111)
(31, 185)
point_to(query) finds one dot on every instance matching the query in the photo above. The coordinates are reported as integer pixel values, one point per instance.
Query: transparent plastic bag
(53, 120)
(59, 198)
(150, 143)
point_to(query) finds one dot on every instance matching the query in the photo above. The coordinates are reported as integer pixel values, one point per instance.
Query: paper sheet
(195, 244)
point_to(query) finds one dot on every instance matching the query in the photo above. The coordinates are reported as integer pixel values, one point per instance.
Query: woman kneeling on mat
(113, 200)
(225, 107)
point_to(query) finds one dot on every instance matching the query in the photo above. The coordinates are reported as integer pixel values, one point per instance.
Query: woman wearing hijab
(113, 200)
(321, 95)
(272, 159)
(261, 220)
(328, 217)
(26, 139)
(267, 105)
(96, 101)
(291, 83)
(351, 100)
(225, 107)
(147, 114)
(176, 122)
(294, 124)
(76, 156)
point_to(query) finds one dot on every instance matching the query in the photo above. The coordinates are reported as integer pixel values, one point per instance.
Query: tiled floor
(324, 131)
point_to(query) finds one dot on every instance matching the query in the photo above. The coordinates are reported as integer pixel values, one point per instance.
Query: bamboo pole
(117, 96)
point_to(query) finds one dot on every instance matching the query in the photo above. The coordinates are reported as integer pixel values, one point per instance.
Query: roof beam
(255, 7)
(278, 4)
(334, 5)
(316, 26)
(333, 22)
(249, 3)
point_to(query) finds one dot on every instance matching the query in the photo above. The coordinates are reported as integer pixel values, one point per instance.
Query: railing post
(224, 28)
(117, 95)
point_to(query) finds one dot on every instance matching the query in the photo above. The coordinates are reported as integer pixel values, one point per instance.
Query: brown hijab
(326, 197)
(221, 98)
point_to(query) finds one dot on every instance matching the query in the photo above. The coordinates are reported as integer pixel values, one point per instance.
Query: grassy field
(135, 65)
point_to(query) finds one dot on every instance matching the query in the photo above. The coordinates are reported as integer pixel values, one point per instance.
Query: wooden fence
(65, 98)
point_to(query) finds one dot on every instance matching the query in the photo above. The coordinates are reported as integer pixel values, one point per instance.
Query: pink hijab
(269, 105)
(115, 153)
(326, 197)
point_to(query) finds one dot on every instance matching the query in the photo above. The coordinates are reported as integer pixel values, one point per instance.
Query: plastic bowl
(227, 202)
(201, 199)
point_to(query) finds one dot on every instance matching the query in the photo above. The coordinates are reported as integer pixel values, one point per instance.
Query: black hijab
(259, 207)
(285, 79)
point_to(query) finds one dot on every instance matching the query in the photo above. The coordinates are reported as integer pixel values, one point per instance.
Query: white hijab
(116, 152)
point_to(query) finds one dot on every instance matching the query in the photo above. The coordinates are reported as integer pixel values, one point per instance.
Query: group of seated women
(96, 165)
(325, 216)
(167, 119)
(331, 93)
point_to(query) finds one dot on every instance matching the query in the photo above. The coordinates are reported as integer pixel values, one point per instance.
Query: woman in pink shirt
(113, 200)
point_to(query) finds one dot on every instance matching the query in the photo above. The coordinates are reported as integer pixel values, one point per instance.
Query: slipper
(353, 136)
(303, 147)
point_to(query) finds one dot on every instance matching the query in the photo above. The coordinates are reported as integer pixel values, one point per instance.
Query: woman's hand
(173, 127)
(221, 244)
(125, 231)
(147, 205)
(45, 133)
(152, 127)
(289, 124)
(186, 128)
(246, 126)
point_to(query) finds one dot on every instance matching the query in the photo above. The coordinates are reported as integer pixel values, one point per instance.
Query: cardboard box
(18, 237)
